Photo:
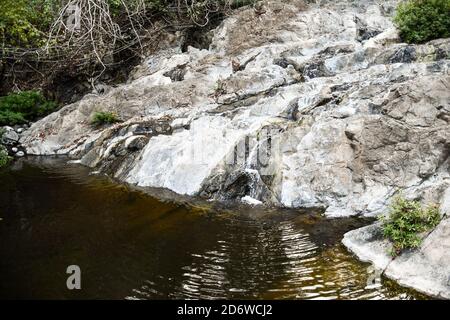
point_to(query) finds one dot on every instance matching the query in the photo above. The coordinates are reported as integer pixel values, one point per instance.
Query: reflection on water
(132, 246)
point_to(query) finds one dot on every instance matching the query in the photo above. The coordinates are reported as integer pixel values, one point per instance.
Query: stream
(131, 245)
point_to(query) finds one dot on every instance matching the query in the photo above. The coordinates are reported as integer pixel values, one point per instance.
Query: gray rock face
(323, 108)
(298, 105)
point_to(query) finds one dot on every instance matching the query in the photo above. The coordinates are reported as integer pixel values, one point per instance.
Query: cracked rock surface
(301, 104)
(345, 114)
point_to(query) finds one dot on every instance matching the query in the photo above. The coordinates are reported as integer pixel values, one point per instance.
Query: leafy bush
(23, 23)
(4, 158)
(405, 223)
(11, 118)
(423, 20)
(101, 118)
(17, 108)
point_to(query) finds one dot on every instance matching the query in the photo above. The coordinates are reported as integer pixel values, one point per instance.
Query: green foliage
(11, 118)
(112, 34)
(423, 20)
(17, 108)
(4, 158)
(101, 118)
(405, 223)
(23, 23)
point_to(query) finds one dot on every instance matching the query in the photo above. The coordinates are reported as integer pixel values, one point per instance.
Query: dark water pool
(132, 246)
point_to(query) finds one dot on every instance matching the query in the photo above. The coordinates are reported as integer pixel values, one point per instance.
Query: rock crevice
(296, 104)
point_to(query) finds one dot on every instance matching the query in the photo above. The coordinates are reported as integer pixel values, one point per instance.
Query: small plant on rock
(101, 118)
(406, 223)
(423, 20)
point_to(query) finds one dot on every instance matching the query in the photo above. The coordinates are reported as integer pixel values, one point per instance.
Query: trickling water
(132, 246)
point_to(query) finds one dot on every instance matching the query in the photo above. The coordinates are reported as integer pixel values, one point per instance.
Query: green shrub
(423, 20)
(11, 118)
(101, 118)
(17, 108)
(23, 23)
(4, 158)
(406, 222)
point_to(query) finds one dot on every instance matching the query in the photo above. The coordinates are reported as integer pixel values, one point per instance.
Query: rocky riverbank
(10, 140)
(426, 269)
(295, 104)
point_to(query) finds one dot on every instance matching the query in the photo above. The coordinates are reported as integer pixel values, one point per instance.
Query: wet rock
(291, 111)
(336, 50)
(442, 54)
(315, 70)
(282, 62)
(136, 143)
(101, 88)
(20, 154)
(10, 136)
(366, 34)
(404, 55)
(176, 74)
(237, 185)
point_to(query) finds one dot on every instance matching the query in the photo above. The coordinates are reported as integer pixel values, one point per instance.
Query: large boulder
(9, 137)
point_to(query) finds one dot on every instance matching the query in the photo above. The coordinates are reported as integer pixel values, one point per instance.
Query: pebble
(20, 154)
(14, 149)
(20, 130)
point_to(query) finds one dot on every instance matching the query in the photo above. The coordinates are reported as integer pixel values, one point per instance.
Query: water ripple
(138, 247)
(254, 259)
